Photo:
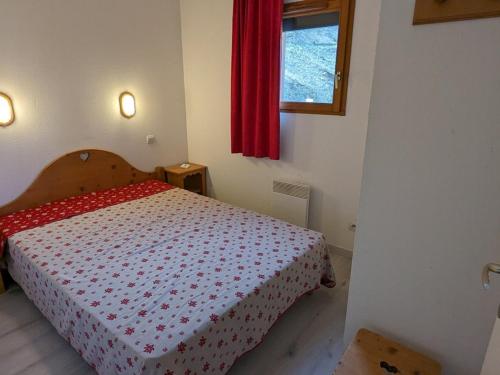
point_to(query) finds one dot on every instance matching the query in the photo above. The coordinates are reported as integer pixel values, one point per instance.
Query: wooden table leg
(204, 183)
(2, 286)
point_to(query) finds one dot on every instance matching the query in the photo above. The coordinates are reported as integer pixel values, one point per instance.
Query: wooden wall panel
(432, 11)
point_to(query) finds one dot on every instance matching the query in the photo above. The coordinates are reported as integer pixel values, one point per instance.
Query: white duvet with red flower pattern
(173, 283)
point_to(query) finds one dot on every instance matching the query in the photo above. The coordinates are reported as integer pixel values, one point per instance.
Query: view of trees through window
(309, 60)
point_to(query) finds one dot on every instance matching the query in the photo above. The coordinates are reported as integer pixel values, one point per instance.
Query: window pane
(309, 58)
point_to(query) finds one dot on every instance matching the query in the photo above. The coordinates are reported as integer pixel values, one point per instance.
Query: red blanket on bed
(69, 207)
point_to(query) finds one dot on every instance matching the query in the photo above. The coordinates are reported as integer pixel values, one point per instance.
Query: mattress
(169, 283)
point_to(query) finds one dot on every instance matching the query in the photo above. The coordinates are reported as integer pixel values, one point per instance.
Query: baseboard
(340, 251)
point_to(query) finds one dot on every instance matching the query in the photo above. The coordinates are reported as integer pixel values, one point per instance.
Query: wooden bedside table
(193, 178)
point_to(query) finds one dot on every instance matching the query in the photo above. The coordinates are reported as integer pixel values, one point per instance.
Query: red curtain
(255, 81)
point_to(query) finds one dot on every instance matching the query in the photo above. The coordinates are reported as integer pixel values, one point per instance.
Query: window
(315, 56)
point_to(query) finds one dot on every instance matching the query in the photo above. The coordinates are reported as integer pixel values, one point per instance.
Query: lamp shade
(7, 114)
(127, 104)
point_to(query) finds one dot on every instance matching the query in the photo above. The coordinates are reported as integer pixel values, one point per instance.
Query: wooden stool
(370, 353)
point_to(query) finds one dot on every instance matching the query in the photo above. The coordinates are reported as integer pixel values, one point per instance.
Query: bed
(144, 278)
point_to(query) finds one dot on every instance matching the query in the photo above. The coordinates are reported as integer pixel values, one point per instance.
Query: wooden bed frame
(79, 172)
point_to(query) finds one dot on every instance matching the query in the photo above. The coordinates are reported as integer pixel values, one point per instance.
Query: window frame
(345, 8)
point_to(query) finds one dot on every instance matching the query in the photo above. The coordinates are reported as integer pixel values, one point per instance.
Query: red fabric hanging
(255, 83)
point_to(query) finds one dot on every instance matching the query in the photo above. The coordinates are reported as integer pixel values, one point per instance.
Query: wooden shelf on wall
(432, 11)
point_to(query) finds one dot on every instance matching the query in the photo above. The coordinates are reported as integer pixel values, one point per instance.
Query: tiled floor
(307, 340)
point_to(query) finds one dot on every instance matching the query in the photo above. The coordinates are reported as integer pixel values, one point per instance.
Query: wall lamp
(7, 114)
(127, 104)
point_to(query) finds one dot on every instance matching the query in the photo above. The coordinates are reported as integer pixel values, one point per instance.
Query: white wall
(325, 151)
(430, 203)
(64, 63)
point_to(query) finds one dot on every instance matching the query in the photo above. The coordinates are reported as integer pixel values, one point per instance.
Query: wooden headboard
(77, 173)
